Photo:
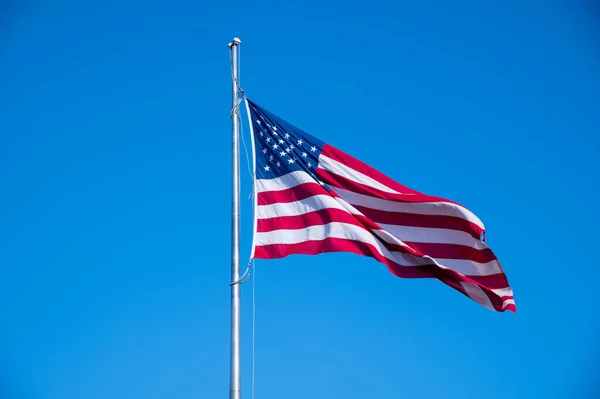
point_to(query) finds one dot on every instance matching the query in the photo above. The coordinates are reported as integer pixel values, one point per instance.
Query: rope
(247, 156)
(253, 324)
(244, 277)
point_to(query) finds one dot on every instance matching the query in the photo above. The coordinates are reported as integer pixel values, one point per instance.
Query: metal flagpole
(235, 372)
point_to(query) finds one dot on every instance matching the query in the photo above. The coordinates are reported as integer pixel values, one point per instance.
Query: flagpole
(235, 370)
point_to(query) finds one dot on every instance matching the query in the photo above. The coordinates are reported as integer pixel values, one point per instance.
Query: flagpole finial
(235, 42)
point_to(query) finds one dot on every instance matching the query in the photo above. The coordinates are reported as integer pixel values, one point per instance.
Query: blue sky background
(115, 196)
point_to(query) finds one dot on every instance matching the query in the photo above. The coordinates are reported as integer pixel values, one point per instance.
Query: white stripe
(470, 267)
(419, 208)
(503, 291)
(310, 204)
(333, 166)
(435, 236)
(476, 293)
(336, 230)
(508, 302)
(284, 182)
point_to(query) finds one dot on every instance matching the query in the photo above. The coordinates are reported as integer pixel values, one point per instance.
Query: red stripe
(292, 194)
(493, 281)
(297, 222)
(350, 161)
(350, 185)
(510, 307)
(448, 276)
(453, 251)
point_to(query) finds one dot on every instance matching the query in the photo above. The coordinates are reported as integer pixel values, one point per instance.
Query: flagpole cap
(235, 42)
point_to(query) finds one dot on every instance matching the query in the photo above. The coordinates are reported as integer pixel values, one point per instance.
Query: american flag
(312, 198)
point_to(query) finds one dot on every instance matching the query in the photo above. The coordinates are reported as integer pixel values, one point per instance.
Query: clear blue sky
(115, 196)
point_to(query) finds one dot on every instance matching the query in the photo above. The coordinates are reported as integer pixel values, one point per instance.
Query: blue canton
(280, 147)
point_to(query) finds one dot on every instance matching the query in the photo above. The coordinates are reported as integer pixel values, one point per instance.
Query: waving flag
(312, 198)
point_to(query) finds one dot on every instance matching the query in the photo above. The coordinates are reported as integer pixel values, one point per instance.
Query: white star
(281, 141)
(282, 153)
(268, 139)
(287, 135)
(271, 158)
(261, 134)
(310, 165)
(304, 154)
(278, 164)
(321, 183)
(266, 168)
(257, 121)
(292, 147)
(300, 142)
(265, 151)
(275, 146)
(275, 128)
(291, 160)
(275, 134)
(288, 149)
(313, 149)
